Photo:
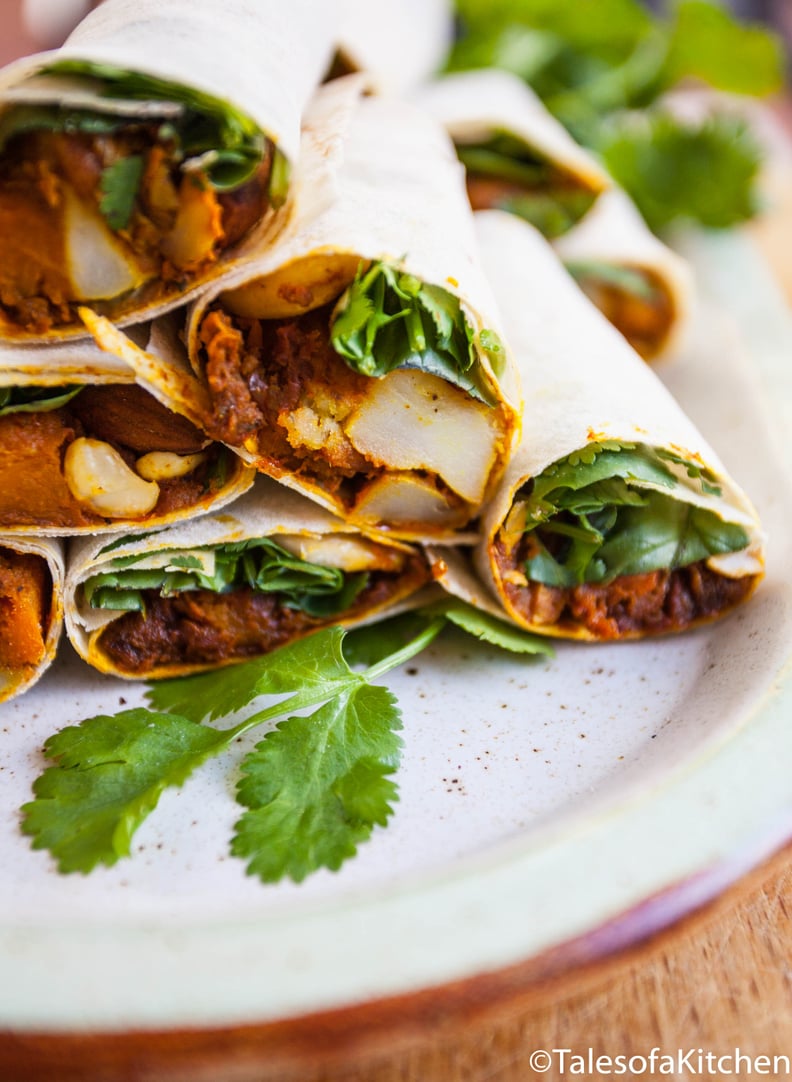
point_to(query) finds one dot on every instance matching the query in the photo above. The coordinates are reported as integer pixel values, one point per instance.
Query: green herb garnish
(388, 320)
(598, 63)
(608, 512)
(707, 172)
(314, 787)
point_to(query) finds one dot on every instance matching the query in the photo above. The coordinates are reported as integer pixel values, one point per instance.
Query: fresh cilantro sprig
(312, 789)
(612, 511)
(598, 63)
(707, 172)
(388, 319)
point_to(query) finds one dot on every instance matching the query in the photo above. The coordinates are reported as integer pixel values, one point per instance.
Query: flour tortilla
(400, 45)
(582, 383)
(264, 57)
(268, 510)
(474, 105)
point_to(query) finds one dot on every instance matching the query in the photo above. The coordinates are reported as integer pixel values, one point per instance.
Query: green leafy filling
(35, 399)
(547, 201)
(388, 320)
(260, 564)
(313, 789)
(232, 143)
(220, 140)
(597, 63)
(628, 280)
(611, 511)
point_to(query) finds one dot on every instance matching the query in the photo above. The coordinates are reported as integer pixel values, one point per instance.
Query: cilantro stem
(415, 646)
(318, 695)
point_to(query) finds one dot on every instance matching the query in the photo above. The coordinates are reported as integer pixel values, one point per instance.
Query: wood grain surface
(719, 981)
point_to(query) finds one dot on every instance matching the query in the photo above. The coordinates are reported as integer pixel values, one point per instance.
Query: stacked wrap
(412, 426)
(139, 157)
(519, 158)
(605, 447)
(89, 446)
(31, 610)
(167, 605)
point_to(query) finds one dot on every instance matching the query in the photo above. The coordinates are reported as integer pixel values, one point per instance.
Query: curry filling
(107, 453)
(119, 210)
(392, 422)
(25, 598)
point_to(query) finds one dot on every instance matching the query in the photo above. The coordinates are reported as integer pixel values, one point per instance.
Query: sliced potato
(98, 263)
(403, 499)
(344, 552)
(415, 421)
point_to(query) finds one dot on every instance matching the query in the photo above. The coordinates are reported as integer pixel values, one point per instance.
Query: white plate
(541, 801)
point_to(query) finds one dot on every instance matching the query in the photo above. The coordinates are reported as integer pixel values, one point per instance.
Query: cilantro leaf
(316, 786)
(706, 172)
(315, 662)
(388, 320)
(490, 629)
(109, 774)
(119, 187)
(709, 44)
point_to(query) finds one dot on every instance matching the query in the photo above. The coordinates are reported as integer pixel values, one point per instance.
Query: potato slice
(99, 265)
(402, 499)
(345, 553)
(412, 420)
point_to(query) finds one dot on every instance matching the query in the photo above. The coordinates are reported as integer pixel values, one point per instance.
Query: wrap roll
(31, 610)
(643, 287)
(88, 446)
(615, 518)
(358, 360)
(136, 159)
(517, 156)
(271, 569)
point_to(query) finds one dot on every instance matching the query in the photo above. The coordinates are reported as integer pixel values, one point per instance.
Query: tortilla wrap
(400, 439)
(589, 396)
(196, 628)
(398, 45)
(87, 445)
(31, 610)
(642, 286)
(517, 155)
(140, 198)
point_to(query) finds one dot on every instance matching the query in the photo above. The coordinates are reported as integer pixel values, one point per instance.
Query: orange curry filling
(25, 592)
(178, 227)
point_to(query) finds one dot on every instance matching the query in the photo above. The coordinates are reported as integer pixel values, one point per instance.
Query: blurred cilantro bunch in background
(603, 68)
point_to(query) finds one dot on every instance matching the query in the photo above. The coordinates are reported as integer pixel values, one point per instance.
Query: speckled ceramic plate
(598, 795)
